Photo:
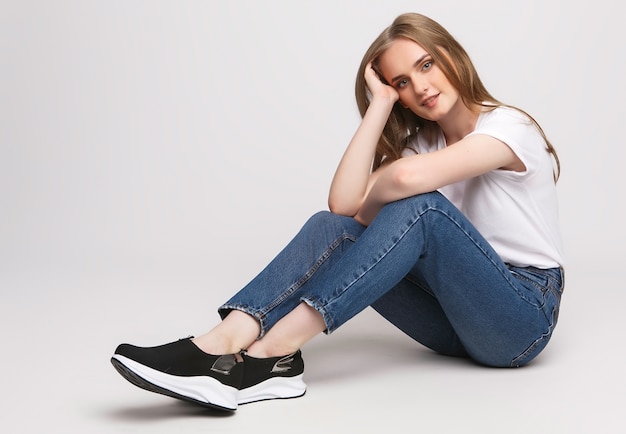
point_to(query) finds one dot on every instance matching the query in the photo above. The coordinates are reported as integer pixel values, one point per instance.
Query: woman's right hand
(353, 177)
(377, 88)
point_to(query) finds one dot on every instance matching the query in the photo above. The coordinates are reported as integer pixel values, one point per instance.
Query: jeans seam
(552, 284)
(417, 283)
(306, 276)
(322, 306)
(258, 315)
(518, 361)
(506, 275)
(541, 288)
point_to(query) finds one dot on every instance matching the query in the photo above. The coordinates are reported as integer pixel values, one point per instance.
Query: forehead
(400, 57)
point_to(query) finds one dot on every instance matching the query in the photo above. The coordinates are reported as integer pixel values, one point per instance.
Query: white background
(154, 155)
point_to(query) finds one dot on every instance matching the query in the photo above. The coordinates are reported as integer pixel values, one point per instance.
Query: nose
(420, 84)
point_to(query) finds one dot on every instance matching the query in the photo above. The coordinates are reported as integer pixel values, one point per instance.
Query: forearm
(394, 182)
(470, 157)
(350, 183)
(378, 196)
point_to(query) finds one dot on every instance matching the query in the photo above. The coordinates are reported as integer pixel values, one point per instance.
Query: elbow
(402, 177)
(406, 181)
(340, 207)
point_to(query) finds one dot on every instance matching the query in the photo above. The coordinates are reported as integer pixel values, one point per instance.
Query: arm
(470, 157)
(353, 178)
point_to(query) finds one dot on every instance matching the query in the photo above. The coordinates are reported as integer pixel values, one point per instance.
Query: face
(422, 86)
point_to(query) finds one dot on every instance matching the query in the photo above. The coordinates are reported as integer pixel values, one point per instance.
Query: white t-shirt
(517, 212)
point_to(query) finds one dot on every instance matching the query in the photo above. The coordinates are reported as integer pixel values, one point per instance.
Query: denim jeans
(425, 268)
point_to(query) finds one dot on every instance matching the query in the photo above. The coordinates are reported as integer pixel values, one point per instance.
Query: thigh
(412, 307)
(500, 320)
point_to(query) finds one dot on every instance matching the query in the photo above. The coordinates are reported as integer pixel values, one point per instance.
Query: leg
(239, 331)
(500, 320)
(231, 335)
(290, 333)
(187, 369)
(278, 289)
(413, 308)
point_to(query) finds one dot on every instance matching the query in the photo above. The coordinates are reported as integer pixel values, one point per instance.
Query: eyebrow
(397, 77)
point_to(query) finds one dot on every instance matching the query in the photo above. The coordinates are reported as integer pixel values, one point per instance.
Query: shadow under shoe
(182, 370)
(271, 378)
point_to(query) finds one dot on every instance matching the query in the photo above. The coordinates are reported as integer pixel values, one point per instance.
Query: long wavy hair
(455, 64)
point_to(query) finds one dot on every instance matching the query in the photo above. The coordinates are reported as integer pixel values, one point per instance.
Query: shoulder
(509, 125)
(503, 115)
(518, 131)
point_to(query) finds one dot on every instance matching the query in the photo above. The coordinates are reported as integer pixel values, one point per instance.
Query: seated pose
(443, 217)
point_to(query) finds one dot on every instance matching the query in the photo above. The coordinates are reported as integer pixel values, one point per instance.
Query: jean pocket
(539, 282)
(545, 286)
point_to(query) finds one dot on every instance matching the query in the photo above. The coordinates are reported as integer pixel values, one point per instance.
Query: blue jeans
(425, 268)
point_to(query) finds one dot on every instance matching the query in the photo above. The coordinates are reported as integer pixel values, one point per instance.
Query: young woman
(443, 217)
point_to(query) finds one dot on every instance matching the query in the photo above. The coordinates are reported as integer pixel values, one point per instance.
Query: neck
(459, 123)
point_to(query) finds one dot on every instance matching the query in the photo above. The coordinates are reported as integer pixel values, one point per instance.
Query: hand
(377, 87)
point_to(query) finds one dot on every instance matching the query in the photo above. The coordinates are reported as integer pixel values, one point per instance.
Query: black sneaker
(182, 370)
(271, 378)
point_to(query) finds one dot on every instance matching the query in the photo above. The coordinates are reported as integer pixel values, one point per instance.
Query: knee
(433, 198)
(328, 225)
(320, 221)
(420, 203)
(320, 218)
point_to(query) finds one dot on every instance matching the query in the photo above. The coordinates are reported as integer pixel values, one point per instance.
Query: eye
(427, 65)
(402, 83)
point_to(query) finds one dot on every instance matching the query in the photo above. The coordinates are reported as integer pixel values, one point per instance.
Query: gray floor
(367, 377)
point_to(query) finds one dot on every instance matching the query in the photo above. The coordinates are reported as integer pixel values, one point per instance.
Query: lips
(430, 101)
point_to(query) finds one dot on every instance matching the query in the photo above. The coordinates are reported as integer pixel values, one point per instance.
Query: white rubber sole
(274, 388)
(202, 389)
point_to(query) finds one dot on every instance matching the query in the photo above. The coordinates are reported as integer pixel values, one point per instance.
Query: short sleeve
(517, 131)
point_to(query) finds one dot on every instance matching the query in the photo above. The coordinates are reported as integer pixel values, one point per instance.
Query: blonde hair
(455, 64)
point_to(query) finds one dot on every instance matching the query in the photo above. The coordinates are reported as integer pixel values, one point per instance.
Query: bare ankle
(237, 331)
(260, 350)
(214, 345)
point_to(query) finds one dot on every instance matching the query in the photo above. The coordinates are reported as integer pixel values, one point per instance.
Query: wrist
(384, 101)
